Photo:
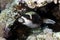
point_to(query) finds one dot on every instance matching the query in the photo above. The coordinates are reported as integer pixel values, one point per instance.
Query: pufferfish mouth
(21, 20)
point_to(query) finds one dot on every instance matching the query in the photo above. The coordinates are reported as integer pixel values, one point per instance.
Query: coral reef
(32, 20)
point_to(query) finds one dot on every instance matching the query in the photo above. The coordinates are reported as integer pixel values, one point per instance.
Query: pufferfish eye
(27, 16)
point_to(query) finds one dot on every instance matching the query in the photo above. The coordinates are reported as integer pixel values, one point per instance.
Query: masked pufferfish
(30, 19)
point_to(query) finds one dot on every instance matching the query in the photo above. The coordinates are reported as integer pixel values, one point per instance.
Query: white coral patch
(57, 35)
(31, 3)
(2, 38)
(31, 37)
(47, 30)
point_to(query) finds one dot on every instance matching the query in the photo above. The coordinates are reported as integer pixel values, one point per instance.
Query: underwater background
(29, 20)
